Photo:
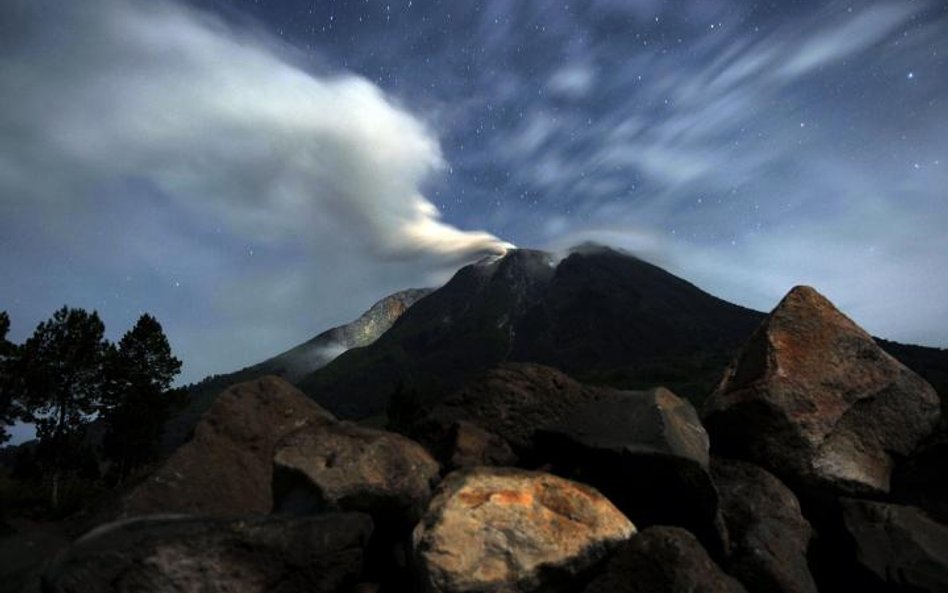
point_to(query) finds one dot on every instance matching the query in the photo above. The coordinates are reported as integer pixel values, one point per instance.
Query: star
(910, 75)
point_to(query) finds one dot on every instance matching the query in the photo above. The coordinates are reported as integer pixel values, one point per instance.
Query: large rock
(227, 466)
(922, 479)
(293, 364)
(469, 445)
(813, 399)
(663, 560)
(253, 555)
(768, 535)
(353, 468)
(510, 400)
(500, 529)
(901, 545)
(646, 451)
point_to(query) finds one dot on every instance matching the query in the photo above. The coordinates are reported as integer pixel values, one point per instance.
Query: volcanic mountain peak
(602, 315)
(810, 399)
(598, 313)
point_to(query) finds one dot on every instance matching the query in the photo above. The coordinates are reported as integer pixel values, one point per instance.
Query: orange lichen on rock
(814, 399)
(495, 527)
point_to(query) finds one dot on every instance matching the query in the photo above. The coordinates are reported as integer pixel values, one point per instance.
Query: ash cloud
(161, 144)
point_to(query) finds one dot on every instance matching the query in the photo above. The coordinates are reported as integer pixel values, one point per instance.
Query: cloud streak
(751, 154)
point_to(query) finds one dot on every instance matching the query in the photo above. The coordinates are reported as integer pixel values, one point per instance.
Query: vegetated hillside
(601, 315)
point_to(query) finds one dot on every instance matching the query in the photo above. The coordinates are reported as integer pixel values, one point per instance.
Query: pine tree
(58, 377)
(137, 397)
(8, 407)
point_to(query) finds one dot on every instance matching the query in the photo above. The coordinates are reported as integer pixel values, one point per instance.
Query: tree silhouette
(58, 377)
(8, 407)
(136, 399)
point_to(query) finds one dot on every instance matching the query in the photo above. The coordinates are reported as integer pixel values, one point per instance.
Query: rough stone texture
(663, 560)
(190, 554)
(922, 479)
(507, 530)
(901, 545)
(653, 422)
(646, 451)
(349, 467)
(511, 400)
(768, 535)
(813, 399)
(227, 466)
(469, 445)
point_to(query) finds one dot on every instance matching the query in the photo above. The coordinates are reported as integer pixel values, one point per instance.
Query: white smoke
(248, 201)
(219, 120)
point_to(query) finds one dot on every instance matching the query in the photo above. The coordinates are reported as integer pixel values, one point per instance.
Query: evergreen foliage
(137, 397)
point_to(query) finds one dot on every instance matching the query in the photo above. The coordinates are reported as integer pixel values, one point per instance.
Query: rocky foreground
(815, 465)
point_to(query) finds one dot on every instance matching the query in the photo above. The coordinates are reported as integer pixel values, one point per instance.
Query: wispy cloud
(751, 154)
(572, 81)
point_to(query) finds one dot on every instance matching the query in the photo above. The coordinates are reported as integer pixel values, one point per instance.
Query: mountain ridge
(530, 306)
(602, 315)
(597, 314)
(295, 362)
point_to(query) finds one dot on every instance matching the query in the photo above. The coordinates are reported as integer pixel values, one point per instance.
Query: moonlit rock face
(497, 529)
(354, 468)
(227, 467)
(813, 399)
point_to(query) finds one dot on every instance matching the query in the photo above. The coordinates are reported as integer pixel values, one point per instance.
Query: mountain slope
(603, 316)
(295, 363)
(599, 314)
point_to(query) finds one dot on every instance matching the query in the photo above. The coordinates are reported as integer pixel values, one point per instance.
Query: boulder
(211, 555)
(510, 400)
(469, 445)
(347, 467)
(922, 479)
(646, 451)
(768, 535)
(814, 400)
(226, 468)
(510, 530)
(353, 468)
(901, 545)
(662, 560)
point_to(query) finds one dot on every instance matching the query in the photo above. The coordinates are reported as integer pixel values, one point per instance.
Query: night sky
(254, 172)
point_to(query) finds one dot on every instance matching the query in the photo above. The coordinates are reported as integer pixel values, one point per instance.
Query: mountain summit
(599, 314)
